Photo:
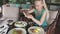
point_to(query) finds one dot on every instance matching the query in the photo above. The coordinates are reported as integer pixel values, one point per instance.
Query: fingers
(24, 14)
(28, 16)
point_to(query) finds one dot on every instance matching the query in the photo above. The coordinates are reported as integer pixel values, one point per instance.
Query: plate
(20, 24)
(12, 30)
(40, 30)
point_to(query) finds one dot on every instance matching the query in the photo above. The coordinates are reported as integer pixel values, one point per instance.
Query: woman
(40, 13)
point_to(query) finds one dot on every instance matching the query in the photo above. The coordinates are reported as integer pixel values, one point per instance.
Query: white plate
(34, 27)
(23, 30)
(21, 25)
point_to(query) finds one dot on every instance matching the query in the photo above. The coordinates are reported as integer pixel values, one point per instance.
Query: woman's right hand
(31, 11)
(28, 15)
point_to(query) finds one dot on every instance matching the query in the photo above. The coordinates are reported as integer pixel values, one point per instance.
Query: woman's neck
(39, 10)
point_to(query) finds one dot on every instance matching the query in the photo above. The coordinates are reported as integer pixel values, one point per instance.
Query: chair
(53, 16)
(10, 12)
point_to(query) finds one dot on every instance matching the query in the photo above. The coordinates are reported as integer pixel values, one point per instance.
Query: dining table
(9, 27)
(13, 26)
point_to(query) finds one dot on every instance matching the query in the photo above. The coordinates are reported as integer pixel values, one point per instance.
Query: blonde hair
(38, 0)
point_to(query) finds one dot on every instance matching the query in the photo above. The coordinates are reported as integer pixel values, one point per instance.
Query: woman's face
(38, 5)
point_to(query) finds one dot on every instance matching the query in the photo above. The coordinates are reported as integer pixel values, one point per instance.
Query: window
(21, 1)
(54, 1)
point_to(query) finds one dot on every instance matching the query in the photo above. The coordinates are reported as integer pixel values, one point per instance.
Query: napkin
(5, 29)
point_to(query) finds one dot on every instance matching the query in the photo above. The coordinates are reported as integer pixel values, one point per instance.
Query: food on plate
(32, 30)
(14, 31)
(17, 31)
(18, 23)
(36, 31)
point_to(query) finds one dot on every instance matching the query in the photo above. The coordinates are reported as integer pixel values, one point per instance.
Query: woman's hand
(31, 11)
(45, 6)
(28, 15)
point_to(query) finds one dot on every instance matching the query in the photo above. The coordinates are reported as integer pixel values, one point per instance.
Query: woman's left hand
(28, 16)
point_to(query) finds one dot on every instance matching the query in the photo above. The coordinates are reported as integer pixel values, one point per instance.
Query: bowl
(20, 24)
(17, 30)
(36, 30)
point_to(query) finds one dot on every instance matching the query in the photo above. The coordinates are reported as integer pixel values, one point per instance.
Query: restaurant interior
(13, 21)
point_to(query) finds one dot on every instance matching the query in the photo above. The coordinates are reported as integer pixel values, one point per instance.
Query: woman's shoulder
(34, 10)
(44, 10)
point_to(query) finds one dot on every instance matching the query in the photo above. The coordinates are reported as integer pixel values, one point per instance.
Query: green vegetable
(14, 31)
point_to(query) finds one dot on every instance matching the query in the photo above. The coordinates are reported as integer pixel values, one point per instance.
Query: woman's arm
(46, 9)
(45, 6)
(35, 20)
(41, 20)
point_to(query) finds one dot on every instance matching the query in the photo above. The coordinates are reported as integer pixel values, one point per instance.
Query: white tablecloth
(5, 30)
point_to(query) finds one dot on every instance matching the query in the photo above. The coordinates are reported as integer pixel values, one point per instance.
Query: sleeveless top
(38, 17)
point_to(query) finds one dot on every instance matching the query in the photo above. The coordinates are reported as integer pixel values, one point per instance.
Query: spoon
(3, 30)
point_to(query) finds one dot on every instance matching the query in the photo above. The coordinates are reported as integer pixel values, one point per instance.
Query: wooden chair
(53, 16)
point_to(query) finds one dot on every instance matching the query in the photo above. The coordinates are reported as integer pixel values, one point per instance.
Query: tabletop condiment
(10, 22)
